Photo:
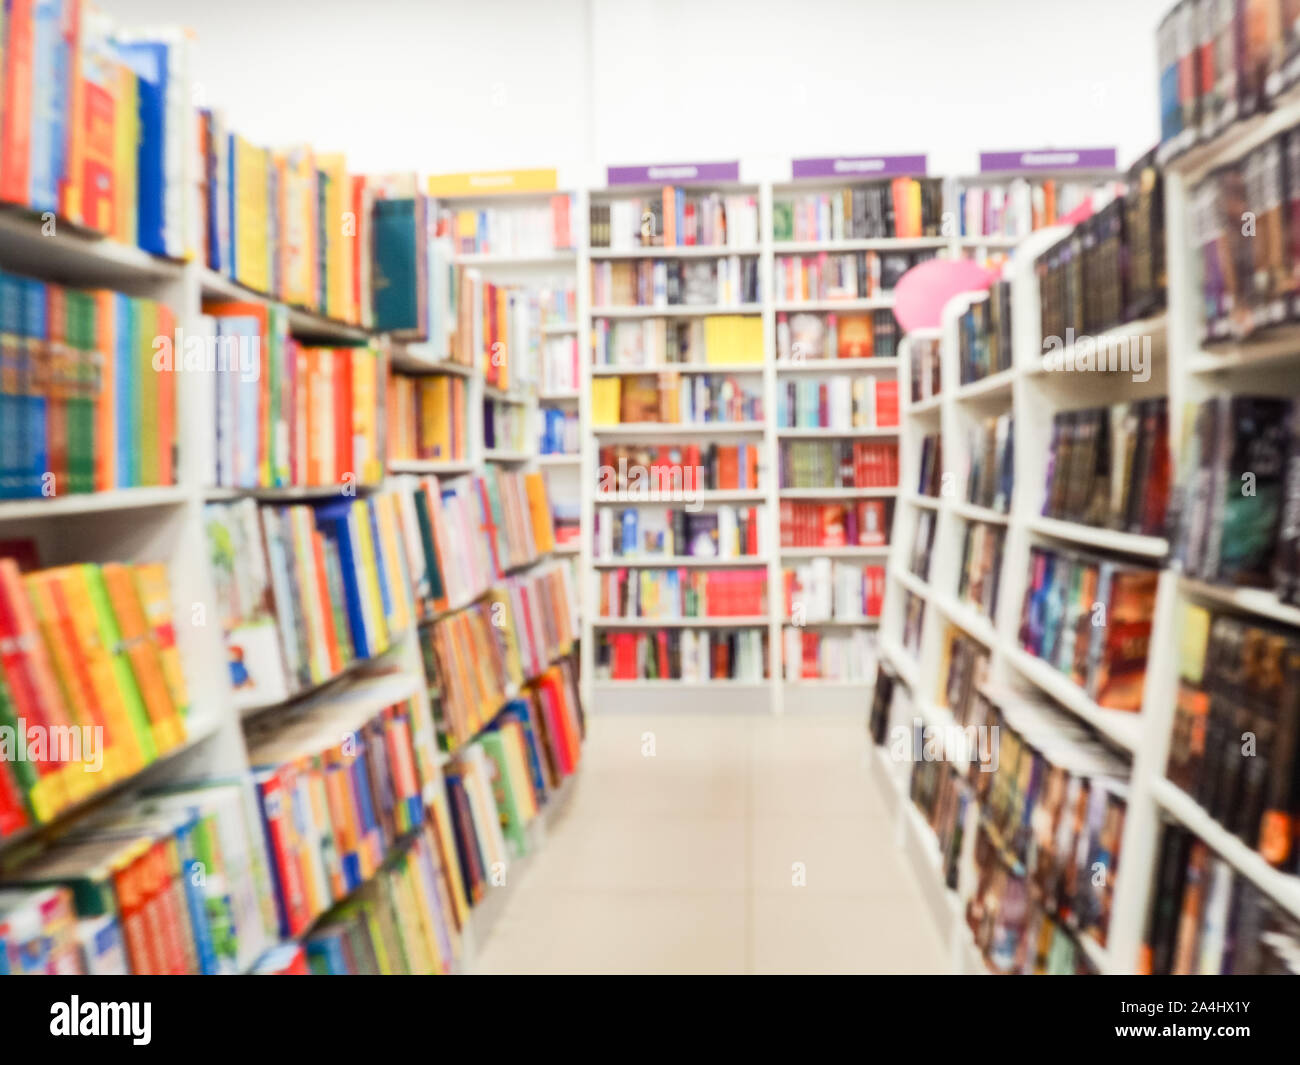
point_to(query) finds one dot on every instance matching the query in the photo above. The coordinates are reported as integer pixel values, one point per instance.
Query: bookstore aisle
(719, 844)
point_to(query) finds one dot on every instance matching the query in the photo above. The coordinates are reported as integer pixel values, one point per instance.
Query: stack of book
(838, 464)
(843, 657)
(517, 230)
(682, 593)
(1109, 467)
(92, 689)
(175, 882)
(984, 335)
(97, 127)
(991, 477)
(1048, 850)
(1239, 679)
(730, 281)
(1207, 920)
(723, 532)
(293, 225)
(981, 566)
(676, 217)
(863, 523)
(647, 469)
(670, 398)
(716, 339)
(688, 655)
(838, 402)
(88, 393)
(1066, 594)
(823, 590)
(902, 207)
(425, 418)
(841, 276)
(804, 336)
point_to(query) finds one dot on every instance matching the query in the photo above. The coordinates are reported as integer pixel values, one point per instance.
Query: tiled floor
(721, 844)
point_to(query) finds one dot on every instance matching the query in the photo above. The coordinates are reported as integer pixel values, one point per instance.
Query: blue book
(192, 875)
(229, 259)
(385, 588)
(326, 954)
(42, 181)
(123, 365)
(335, 521)
(629, 546)
(148, 60)
(35, 451)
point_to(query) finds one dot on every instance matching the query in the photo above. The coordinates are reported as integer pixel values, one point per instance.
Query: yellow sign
(492, 182)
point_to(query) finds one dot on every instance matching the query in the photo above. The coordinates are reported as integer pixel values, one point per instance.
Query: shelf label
(859, 166)
(672, 173)
(492, 182)
(1049, 159)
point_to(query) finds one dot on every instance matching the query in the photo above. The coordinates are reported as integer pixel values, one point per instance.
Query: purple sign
(672, 173)
(859, 166)
(1049, 159)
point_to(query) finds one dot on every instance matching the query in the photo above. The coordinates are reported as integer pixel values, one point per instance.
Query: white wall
(440, 85)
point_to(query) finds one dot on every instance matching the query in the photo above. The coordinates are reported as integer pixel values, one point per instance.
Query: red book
(167, 406)
(344, 464)
(886, 403)
(290, 894)
(15, 131)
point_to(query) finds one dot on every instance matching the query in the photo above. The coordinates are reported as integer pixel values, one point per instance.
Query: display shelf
(92, 503)
(679, 367)
(289, 493)
(678, 310)
(838, 493)
(911, 582)
(559, 460)
(682, 251)
(1090, 536)
(448, 468)
(994, 386)
(356, 668)
(864, 303)
(864, 622)
(503, 395)
(972, 512)
(58, 251)
(1257, 601)
(841, 434)
(872, 365)
(302, 322)
(556, 329)
(669, 683)
(740, 621)
(1122, 727)
(814, 247)
(677, 562)
(679, 429)
(555, 259)
(850, 551)
(929, 405)
(903, 661)
(967, 617)
(567, 549)
(421, 359)
(563, 395)
(1155, 327)
(671, 498)
(506, 456)
(927, 502)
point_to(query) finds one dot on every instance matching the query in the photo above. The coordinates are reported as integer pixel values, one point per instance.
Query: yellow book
(466, 228)
(447, 850)
(252, 223)
(314, 611)
(299, 231)
(415, 937)
(125, 148)
(150, 460)
(153, 586)
(338, 261)
(503, 332)
(606, 400)
(372, 601)
(424, 894)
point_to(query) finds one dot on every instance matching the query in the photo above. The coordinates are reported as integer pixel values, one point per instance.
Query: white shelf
(903, 661)
(685, 251)
(833, 623)
(653, 429)
(745, 621)
(928, 405)
(506, 456)
(679, 561)
(838, 433)
(926, 502)
(862, 303)
(92, 503)
(971, 512)
(851, 551)
(678, 310)
(813, 247)
(76, 256)
(1154, 327)
(1089, 536)
(434, 466)
(838, 493)
(704, 495)
(994, 386)
(679, 367)
(967, 617)
(871, 365)
(559, 460)
(557, 329)
(668, 684)
(503, 395)
(1258, 601)
(911, 582)
(567, 549)
(289, 493)
(552, 259)
(302, 322)
(568, 395)
(1120, 726)
(419, 359)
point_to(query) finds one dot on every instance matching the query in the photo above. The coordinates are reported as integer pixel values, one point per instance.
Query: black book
(1166, 904)
(1286, 554)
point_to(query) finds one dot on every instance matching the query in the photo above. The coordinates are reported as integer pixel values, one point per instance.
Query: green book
(24, 769)
(436, 588)
(124, 676)
(512, 821)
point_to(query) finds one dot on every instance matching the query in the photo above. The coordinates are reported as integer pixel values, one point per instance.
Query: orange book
(540, 507)
(670, 216)
(167, 403)
(154, 589)
(70, 198)
(502, 332)
(143, 950)
(323, 590)
(146, 662)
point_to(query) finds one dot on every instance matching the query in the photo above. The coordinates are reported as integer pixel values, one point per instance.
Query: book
(868, 210)
(681, 593)
(676, 217)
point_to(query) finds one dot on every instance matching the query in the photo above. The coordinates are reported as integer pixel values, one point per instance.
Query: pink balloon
(921, 293)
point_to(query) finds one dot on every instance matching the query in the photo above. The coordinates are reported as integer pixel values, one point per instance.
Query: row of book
(984, 335)
(92, 688)
(674, 594)
(1110, 268)
(425, 418)
(675, 218)
(690, 655)
(477, 657)
(1022, 205)
(83, 406)
(925, 361)
(672, 471)
(823, 589)
(1109, 467)
(1236, 680)
(843, 657)
(286, 414)
(672, 398)
(1236, 506)
(842, 275)
(1245, 216)
(1207, 920)
(991, 476)
(1090, 618)
(981, 566)
(560, 432)
(725, 532)
(716, 339)
(901, 207)
(861, 523)
(498, 329)
(1220, 64)
(730, 281)
(506, 425)
(838, 402)
(559, 305)
(96, 124)
(513, 230)
(806, 335)
(838, 464)
(963, 671)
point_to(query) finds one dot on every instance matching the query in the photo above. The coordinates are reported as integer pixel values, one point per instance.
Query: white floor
(687, 859)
